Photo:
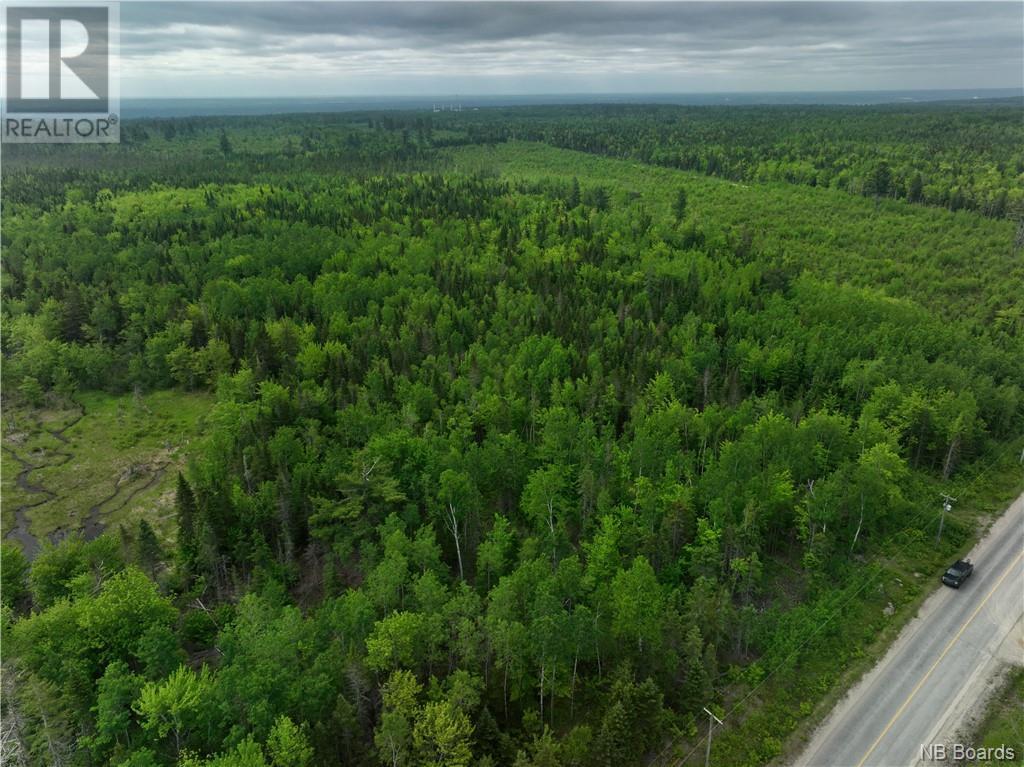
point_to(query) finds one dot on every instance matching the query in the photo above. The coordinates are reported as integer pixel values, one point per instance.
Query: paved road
(920, 690)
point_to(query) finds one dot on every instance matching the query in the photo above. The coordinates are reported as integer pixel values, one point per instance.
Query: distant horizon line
(538, 94)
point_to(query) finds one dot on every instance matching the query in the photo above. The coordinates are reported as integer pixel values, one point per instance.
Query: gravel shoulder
(939, 668)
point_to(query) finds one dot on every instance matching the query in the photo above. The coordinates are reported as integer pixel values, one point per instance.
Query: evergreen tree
(148, 546)
(185, 505)
(679, 205)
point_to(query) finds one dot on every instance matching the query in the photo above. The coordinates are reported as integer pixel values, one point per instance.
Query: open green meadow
(96, 463)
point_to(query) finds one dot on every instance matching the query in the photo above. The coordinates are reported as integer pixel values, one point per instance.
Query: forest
(957, 158)
(527, 433)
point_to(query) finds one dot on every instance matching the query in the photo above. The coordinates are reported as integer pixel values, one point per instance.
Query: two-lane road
(918, 693)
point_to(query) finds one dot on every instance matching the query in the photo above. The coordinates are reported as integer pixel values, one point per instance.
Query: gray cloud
(392, 48)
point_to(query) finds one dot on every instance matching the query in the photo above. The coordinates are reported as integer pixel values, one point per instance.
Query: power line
(869, 580)
(947, 505)
(711, 725)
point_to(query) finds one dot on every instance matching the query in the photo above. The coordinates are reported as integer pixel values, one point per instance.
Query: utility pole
(711, 724)
(947, 505)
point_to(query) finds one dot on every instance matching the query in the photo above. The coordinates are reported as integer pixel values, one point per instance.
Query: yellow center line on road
(938, 660)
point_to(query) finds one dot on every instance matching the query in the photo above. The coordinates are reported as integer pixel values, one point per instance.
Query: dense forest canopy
(953, 155)
(969, 157)
(509, 465)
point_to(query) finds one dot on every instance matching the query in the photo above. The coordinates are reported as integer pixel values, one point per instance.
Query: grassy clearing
(116, 462)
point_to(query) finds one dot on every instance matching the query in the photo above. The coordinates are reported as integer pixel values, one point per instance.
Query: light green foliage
(883, 152)
(74, 567)
(175, 706)
(288, 745)
(72, 642)
(127, 606)
(521, 455)
(903, 251)
(442, 736)
(495, 552)
(393, 736)
(246, 754)
(637, 603)
(397, 640)
(545, 504)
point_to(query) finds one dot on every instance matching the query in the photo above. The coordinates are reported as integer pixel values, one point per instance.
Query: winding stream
(21, 531)
(93, 525)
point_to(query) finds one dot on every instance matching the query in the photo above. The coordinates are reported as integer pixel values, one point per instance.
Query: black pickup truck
(957, 573)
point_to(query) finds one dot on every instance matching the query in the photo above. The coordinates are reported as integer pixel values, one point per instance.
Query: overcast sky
(209, 49)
